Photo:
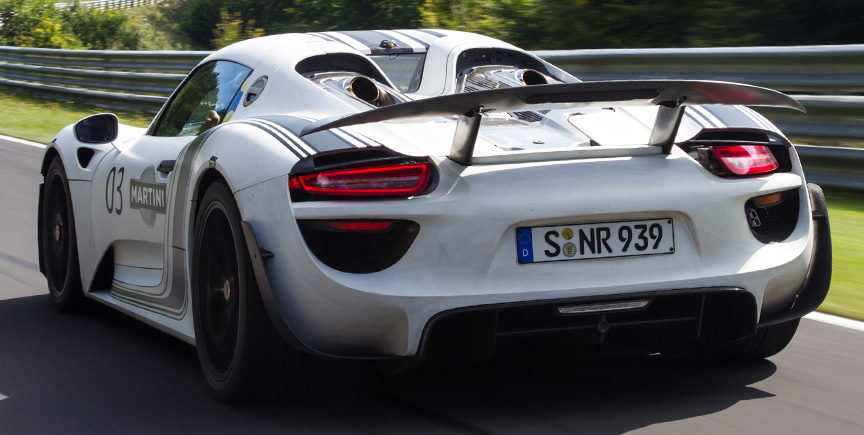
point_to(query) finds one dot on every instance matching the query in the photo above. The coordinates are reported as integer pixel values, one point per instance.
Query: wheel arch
(219, 159)
(50, 153)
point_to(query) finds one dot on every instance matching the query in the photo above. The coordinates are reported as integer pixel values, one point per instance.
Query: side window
(206, 99)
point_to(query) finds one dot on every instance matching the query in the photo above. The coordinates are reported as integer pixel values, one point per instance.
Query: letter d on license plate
(595, 240)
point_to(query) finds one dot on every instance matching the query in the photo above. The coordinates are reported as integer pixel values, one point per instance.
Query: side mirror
(99, 128)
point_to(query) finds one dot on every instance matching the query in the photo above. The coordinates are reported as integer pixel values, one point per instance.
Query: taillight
(746, 159)
(392, 180)
(360, 225)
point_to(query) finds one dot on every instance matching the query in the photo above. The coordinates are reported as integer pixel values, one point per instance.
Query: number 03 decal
(114, 183)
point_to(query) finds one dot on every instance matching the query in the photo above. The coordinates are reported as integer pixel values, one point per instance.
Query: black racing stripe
(332, 141)
(322, 36)
(358, 137)
(368, 140)
(732, 116)
(694, 119)
(407, 36)
(372, 39)
(321, 141)
(432, 32)
(275, 136)
(289, 134)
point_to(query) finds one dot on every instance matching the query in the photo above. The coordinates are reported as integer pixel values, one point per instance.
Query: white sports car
(396, 195)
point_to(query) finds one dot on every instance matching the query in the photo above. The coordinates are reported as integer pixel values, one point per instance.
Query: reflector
(768, 200)
(360, 225)
(603, 307)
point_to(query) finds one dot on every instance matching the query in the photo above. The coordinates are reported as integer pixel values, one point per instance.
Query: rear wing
(671, 97)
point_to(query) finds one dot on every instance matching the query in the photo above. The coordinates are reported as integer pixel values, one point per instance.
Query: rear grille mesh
(774, 223)
(528, 116)
(477, 81)
(672, 320)
(358, 251)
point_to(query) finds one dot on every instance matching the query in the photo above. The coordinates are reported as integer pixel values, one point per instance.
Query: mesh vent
(477, 81)
(776, 222)
(490, 121)
(528, 116)
(358, 251)
(673, 319)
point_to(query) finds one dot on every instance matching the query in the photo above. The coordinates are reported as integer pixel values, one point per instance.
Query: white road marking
(835, 320)
(22, 141)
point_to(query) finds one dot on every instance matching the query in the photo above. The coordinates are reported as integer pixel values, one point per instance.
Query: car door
(133, 185)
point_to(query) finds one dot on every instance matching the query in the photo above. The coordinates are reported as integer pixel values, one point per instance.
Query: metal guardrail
(156, 61)
(109, 4)
(137, 80)
(833, 166)
(823, 69)
(828, 80)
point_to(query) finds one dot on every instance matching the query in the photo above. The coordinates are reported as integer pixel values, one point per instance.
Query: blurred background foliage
(531, 24)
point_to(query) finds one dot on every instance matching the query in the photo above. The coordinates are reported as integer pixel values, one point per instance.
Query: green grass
(846, 214)
(39, 120)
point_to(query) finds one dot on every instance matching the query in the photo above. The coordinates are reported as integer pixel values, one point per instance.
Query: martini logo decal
(147, 196)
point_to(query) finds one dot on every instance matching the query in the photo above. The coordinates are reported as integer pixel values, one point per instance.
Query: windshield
(405, 70)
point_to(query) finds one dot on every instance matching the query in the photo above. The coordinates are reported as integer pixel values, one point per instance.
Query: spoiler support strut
(669, 115)
(467, 128)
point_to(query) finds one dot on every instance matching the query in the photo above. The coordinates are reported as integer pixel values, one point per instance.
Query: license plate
(594, 240)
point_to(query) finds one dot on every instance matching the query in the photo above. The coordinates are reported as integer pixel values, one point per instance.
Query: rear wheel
(767, 341)
(59, 243)
(240, 352)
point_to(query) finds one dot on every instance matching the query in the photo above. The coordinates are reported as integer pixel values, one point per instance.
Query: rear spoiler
(671, 95)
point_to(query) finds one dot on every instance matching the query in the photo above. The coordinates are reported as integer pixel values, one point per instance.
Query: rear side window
(405, 70)
(206, 99)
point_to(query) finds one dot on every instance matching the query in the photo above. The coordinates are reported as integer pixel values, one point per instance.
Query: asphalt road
(97, 371)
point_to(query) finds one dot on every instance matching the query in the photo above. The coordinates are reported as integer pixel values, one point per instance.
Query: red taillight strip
(392, 180)
(746, 159)
(360, 225)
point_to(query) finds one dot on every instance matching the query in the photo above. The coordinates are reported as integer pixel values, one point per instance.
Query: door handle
(166, 166)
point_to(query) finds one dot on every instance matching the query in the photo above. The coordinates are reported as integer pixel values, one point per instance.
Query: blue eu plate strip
(524, 246)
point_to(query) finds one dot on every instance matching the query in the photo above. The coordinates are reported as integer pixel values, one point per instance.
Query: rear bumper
(671, 320)
(815, 287)
(388, 314)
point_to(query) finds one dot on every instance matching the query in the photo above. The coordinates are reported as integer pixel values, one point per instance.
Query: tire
(59, 242)
(240, 352)
(768, 341)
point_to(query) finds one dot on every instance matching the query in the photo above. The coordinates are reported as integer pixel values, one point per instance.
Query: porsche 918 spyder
(387, 194)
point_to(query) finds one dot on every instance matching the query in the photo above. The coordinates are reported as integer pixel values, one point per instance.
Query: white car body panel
(465, 253)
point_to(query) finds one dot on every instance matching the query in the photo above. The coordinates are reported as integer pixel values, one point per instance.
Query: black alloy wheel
(218, 277)
(240, 352)
(59, 243)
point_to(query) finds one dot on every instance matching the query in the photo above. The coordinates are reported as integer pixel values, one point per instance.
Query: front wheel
(59, 243)
(240, 352)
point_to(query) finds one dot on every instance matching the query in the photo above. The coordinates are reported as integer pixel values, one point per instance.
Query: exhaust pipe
(364, 89)
(531, 77)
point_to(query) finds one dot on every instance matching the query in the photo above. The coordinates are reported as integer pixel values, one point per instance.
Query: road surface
(97, 371)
